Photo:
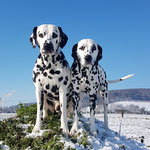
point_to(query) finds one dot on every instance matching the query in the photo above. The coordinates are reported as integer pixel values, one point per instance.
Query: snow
(7, 115)
(4, 147)
(136, 103)
(24, 126)
(34, 135)
(132, 128)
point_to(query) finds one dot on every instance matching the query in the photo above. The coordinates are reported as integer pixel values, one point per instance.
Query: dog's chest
(84, 84)
(87, 80)
(49, 76)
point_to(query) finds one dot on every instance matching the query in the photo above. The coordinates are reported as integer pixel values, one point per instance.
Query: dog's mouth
(88, 59)
(48, 48)
(45, 52)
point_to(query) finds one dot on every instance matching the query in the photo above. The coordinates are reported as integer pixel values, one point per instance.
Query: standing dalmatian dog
(89, 77)
(51, 74)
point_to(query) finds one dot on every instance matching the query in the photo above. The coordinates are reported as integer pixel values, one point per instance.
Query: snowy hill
(127, 104)
(129, 94)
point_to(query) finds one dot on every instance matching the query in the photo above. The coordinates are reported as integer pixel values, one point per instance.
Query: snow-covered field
(132, 129)
(132, 126)
(6, 115)
(136, 103)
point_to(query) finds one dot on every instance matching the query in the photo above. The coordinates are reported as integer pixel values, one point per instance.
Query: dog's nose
(88, 58)
(48, 46)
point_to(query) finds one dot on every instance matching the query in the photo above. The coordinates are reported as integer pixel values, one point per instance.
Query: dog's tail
(121, 79)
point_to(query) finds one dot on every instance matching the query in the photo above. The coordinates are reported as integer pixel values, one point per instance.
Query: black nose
(48, 47)
(88, 58)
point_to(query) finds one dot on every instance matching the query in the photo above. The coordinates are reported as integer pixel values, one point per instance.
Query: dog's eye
(82, 48)
(93, 48)
(41, 35)
(54, 35)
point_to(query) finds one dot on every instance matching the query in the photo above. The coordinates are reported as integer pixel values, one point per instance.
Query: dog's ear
(33, 37)
(74, 55)
(64, 38)
(99, 55)
(74, 52)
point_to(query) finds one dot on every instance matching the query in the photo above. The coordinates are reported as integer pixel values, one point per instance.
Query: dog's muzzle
(88, 59)
(48, 47)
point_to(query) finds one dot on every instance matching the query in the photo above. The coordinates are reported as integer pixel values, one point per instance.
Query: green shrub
(84, 140)
(27, 114)
(14, 136)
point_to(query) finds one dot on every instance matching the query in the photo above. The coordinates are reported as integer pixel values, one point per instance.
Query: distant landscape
(115, 96)
(131, 101)
(129, 117)
(129, 95)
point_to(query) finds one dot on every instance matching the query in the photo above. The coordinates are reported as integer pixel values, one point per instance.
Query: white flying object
(2, 99)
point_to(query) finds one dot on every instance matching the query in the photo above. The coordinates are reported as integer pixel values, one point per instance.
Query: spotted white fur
(51, 74)
(88, 76)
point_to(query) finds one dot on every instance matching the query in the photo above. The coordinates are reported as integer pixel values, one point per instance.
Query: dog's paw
(65, 131)
(36, 129)
(73, 130)
(106, 126)
(93, 131)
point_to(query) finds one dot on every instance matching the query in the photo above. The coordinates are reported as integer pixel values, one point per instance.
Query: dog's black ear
(99, 55)
(33, 37)
(74, 52)
(74, 55)
(64, 38)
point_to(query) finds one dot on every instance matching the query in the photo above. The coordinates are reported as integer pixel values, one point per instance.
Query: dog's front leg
(63, 106)
(93, 98)
(76, 99)
(39, 98)
(104, 96)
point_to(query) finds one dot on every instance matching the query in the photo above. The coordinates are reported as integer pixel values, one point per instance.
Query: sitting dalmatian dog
(89, 77)
(51, 74)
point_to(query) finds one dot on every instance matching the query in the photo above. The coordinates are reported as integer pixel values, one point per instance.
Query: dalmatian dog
(89, 77)
(51, 73)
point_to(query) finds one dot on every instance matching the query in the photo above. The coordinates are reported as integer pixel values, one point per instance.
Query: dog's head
(48, 38)
(87, 52)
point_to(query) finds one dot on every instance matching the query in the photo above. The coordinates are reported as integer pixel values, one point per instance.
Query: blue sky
(122, 28)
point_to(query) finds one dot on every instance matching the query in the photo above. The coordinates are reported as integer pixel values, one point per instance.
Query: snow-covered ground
(7, 115)
(132, 126)
(124, 133)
